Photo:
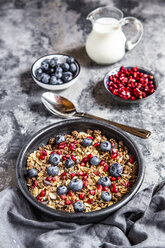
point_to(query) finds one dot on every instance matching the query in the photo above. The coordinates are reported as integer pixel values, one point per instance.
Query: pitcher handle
(139, 27)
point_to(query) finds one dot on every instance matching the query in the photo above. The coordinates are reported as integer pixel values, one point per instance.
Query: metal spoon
(62, 107)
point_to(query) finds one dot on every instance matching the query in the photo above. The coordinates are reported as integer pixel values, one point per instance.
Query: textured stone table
(30, 29)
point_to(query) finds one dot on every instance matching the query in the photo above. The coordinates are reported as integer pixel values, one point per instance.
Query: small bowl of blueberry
(55, 72)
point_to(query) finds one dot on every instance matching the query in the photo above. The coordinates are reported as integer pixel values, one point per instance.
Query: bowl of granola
(79, 170)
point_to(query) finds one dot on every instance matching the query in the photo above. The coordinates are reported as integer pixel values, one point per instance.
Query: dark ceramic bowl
(119, 99)
(66, 127)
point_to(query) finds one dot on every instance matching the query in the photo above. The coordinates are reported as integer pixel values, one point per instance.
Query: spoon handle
(133, 130)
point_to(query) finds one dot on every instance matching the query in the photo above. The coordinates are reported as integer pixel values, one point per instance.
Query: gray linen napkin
(140, 223)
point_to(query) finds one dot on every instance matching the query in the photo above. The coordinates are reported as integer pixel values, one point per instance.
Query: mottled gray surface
(30, 29)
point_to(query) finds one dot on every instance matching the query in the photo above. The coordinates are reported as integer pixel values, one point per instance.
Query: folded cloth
(140, 223)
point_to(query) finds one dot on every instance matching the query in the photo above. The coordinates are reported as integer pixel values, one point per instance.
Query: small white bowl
(61, 59)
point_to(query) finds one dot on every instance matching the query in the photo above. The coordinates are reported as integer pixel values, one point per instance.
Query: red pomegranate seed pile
(131, 84)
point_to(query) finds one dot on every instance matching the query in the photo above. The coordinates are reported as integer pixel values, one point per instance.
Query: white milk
(106, 42)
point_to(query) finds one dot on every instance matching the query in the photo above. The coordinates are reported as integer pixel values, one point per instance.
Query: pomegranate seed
(73, 174)
(48, 179)
(53, 152)
(82, 164)
(63, 176)
(39, 198)
(67, 155)
(118, 156)
(90, 156)
(99, 187)
(114, 189)
(58, 152)
(42, 157)
(105, 188)
(82, 195)
(43, 193)
(85, 184)
(96, 144)
(73, 157)
(85, 177)
(60, 146)
(127, 184)
(85, 160)
(70, 193)
(131, 159)
(43, 153)
(113, 155)
(74, 141)
(67, 202)
(64, 158)
(92, 192)
(63, 197)
(118, 178)
(97, 173)
(113, 178)
(35, 183)
(90, 201)
(72, 147)
(102, 162)
(106, 168)
(54, 179)
(81, 173)
(90, 137)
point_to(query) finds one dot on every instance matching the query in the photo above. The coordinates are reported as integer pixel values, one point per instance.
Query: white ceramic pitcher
(107, 43)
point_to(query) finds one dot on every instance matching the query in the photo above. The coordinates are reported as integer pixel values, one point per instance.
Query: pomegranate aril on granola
(80, 168)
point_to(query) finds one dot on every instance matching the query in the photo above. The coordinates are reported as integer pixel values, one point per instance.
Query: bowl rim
(117, 68)
(74, 216)
(55, 54)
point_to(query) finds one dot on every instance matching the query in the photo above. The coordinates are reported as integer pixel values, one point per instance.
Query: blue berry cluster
(54, 73)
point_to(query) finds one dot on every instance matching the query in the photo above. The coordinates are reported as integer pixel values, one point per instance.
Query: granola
(43, 185)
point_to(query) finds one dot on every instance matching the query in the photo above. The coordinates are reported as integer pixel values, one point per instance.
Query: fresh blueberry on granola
(54, 159)
(78, 206)
(104, 181)
(116, 170)
(78, 174)
(62, 190)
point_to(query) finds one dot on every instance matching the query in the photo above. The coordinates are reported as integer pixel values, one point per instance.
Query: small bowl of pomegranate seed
(130, 84)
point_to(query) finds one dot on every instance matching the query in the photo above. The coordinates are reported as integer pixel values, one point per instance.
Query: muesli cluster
(81, 172)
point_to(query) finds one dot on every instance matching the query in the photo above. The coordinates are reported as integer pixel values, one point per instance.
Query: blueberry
(32, 173)
(38, 73)
(104, 181)
(65, 66)
(59, 81)
(58, 74)
(69, 163)
(50, 71)
(45, 78)
(53, 62)
(73, 67)
(53, 80)
(76, 184)
(44, 65)
(67, 76)
(105, 146)
(106, 196)
(95, 160)
(70, 60)
(116, 170)
(54, 159)
(53, 170)
(78, 206)
(62, 190)
(87, 142)
(59, 139)
(58, 69)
